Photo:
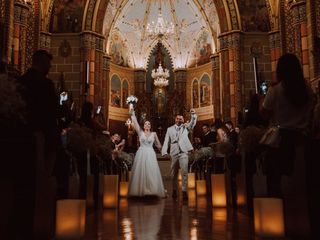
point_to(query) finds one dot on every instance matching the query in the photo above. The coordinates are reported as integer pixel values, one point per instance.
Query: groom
(177, 136)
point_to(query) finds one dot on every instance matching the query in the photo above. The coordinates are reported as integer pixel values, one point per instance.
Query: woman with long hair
(288, 105)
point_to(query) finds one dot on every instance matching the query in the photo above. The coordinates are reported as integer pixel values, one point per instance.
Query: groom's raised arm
(192, 122)
(165, 144)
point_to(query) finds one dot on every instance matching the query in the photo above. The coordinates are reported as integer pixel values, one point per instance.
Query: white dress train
(146, 178)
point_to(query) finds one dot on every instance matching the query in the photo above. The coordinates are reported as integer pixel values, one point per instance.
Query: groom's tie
(178, 131)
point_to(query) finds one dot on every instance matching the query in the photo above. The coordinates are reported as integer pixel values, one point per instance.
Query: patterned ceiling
(196, 26)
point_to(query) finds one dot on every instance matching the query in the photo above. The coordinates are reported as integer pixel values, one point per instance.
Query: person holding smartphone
(99, 124)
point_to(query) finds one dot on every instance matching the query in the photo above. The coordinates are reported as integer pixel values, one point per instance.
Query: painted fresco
(254, 15)
(108, 17)
(118, 50)
(115, 91)
(210, 8)
(202, 50)
(205, 91)
(67, 16)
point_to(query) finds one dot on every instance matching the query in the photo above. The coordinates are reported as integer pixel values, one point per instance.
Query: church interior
(61, 177)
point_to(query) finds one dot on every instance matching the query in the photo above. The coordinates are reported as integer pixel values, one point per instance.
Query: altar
(164, 92)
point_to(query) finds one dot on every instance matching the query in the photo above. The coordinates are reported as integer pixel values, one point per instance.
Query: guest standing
(289, 104)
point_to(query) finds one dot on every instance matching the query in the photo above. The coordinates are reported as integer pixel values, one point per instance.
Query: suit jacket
(179, 141)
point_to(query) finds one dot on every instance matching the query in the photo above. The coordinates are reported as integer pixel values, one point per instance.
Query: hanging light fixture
(161, 28)
(160, 76)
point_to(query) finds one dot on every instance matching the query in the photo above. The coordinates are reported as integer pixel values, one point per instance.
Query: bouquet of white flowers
(131, 100)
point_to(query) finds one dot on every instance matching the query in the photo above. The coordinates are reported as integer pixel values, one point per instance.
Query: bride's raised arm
(135, 122)
(157, 142)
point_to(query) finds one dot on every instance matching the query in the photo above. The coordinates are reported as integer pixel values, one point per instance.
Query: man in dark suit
(35, 168)
(208, 136)
(41, 99)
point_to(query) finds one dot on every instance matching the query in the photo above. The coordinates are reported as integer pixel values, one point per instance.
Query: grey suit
(180, 145)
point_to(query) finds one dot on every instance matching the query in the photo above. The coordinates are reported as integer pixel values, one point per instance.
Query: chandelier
(160, 28)
(160, 76)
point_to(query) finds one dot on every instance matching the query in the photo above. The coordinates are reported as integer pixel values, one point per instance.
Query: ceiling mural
(209, 7)
(183, 45)
(254, 15)
(118, 50)
(67, 16)
(201, 51)
(110, 14)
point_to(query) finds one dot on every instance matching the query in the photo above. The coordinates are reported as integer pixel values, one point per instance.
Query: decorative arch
(46, 12)
(274, 13)
(115, 94)
(227, 12)
(153, 48)
(168, 64)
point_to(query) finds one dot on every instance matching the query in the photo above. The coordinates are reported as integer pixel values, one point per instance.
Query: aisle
(148, 219)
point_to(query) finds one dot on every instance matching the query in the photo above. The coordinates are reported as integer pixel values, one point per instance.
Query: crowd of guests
(217, 134)
(39, 149)
(291, 169)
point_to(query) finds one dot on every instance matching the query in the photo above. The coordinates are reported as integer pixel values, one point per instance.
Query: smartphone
(98, 109)
(263, 88)
(63, 97)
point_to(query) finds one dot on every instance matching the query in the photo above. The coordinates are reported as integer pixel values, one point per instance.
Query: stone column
(275, 50)
(216, 96)
(106, 86)
(140, 89)
(231, 75)
(21, 11)
(301, 36)
(181, 84)
(6, 29)
(140, 81)
(91, 67)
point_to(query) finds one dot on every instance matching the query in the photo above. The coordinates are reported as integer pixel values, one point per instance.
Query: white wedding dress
(146, 179)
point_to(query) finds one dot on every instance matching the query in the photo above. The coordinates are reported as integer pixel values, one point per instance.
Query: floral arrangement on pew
(79, 139)
(126, 158)
(224, 148)
(102, 147)
(249, 138)
(200, 154)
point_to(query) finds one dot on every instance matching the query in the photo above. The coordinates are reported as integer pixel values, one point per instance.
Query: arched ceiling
(196, 27)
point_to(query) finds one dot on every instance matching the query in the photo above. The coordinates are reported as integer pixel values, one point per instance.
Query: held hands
(166, 155)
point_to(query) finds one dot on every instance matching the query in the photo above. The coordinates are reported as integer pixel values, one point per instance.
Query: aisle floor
(152, 218)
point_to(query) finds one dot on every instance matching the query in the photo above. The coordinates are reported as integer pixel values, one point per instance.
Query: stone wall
(259, 41)
(65, 49)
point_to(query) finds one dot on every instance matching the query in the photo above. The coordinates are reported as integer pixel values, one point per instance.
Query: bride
(146, 179)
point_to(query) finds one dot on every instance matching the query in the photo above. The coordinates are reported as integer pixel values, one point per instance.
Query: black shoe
(184, 195)
(174, 194)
